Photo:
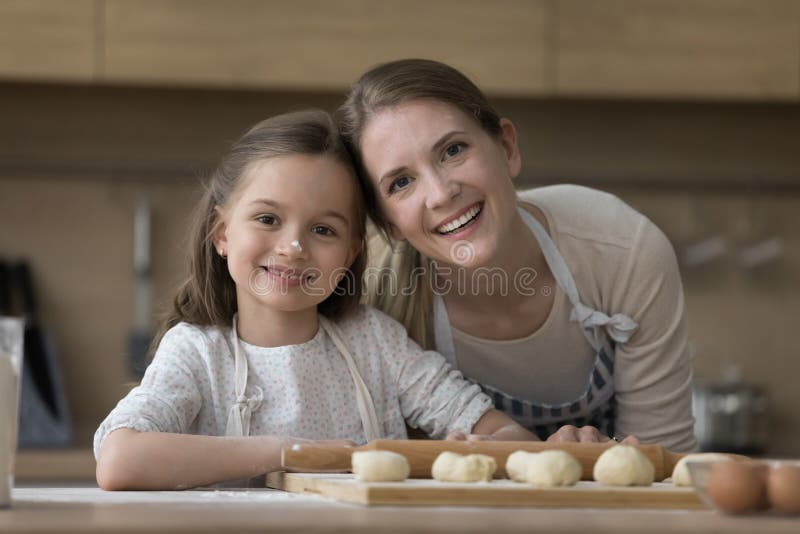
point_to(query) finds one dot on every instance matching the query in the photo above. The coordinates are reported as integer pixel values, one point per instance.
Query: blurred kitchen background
(112, 112)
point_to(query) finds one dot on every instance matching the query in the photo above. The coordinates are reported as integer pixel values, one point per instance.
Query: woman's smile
(462, 222)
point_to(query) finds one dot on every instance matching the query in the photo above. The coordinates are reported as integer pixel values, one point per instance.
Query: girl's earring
(221, 253)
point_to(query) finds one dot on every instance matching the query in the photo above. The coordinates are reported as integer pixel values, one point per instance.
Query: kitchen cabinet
(742, 49)
(318, 44)
(48, 40)
(662, 49)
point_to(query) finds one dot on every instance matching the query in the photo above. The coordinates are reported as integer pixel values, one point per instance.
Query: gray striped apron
(595, 406)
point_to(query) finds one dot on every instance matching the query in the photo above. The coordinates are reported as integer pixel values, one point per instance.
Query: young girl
(590, 339)
(266, 345)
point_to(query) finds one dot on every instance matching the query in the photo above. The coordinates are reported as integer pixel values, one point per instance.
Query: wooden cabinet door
(678, 48)
(48, 39)
(321, 44)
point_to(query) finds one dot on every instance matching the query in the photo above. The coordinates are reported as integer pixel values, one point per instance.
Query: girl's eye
(454, 150)
(267, 219)
(399, 183)
(324, 230)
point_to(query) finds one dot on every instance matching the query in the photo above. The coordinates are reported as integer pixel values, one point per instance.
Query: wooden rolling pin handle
(317, 458)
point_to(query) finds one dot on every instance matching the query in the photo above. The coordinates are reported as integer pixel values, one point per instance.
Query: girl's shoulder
(192, 338)
(368, 322)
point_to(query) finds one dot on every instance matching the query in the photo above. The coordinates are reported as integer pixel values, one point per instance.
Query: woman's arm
(131, 460)
(652, 371)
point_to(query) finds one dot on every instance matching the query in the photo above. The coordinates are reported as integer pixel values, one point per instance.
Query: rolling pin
(422, 453)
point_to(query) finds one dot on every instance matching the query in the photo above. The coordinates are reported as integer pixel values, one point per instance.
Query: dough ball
(517, 465)
(624, 465)
(453, 467)
(680, 475)
(380, 466)
(546, 468)
(554, 468)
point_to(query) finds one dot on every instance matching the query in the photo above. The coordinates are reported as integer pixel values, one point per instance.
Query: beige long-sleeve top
(621, 263)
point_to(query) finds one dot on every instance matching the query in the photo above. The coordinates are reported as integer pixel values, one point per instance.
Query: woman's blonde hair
(208, 295)
(382, 87)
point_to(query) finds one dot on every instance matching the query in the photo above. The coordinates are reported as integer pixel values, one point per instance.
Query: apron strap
(619, 327)
(240, 413)
(442, 334)
(242, 410)
(366, 407)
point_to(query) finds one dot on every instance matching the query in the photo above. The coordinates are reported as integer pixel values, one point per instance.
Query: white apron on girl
(595, 406)
(241, 411)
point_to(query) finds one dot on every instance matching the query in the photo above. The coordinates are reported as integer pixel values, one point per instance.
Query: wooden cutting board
(499, 492)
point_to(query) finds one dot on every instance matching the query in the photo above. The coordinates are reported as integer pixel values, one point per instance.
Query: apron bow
(620, 327)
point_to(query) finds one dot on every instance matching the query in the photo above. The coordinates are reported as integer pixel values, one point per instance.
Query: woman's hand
(511, 432)
(585, 434)
(494, 425)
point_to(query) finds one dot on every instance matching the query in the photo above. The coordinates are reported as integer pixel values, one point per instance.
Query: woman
(564, 303)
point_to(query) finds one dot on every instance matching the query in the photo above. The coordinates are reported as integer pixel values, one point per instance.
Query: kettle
(730, 415)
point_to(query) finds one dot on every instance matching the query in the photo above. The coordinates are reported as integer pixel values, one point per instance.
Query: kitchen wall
(74, 159)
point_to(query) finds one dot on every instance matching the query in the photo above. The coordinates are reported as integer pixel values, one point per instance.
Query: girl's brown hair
(382, 87)
(208, 295)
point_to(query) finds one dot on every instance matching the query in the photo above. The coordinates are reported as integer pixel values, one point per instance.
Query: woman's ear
(508, 140)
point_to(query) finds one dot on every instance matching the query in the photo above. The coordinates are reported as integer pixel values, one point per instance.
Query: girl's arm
(131, 460)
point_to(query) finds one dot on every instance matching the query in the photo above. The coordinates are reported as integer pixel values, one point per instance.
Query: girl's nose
(291, 247)
(441, 190)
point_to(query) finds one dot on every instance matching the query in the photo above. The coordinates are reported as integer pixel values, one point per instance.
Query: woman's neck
(265, 327)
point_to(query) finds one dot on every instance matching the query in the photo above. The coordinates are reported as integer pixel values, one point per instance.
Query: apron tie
(619, 327)
(241, 412)
(366, 407)
(242, 409)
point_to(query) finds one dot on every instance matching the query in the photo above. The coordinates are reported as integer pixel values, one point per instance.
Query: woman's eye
(266, 219)
(454, 150)
(323, 230)
(399, 183)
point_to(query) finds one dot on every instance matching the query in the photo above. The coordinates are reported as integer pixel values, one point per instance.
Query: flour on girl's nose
(296, 244)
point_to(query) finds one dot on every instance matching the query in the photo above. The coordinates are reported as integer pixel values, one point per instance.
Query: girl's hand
(585, 434)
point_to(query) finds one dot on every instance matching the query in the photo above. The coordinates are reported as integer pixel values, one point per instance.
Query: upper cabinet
(678, 48)
(48, 39)
(684, 49)
(321, 44)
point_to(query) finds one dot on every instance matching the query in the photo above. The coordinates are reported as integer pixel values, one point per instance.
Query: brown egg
(783, 488)
(737, 487)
